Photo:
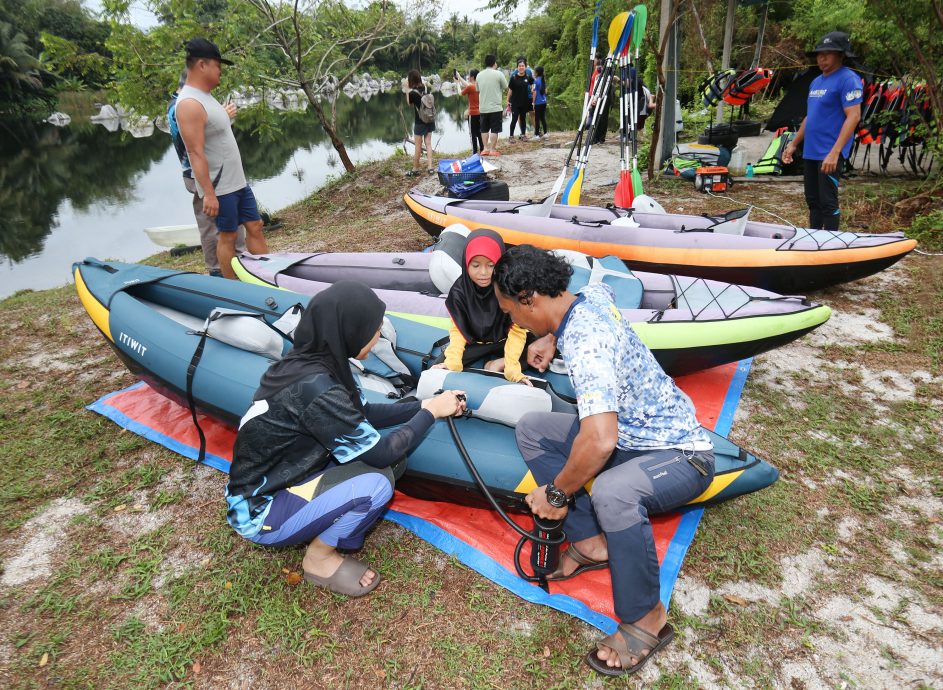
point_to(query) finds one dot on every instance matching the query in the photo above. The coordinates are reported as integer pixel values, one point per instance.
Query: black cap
(836, 42)
(201, 48)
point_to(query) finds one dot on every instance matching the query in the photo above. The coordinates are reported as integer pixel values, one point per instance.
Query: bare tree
(325, 45)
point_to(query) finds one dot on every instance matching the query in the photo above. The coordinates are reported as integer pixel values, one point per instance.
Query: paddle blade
(623, 195)
(636, 183)
(638, 29)
(571, 193)
(616, 27)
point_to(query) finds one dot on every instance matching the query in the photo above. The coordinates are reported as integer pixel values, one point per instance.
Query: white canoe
(174, 235)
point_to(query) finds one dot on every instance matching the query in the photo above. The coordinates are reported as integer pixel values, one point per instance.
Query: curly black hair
(525, 270)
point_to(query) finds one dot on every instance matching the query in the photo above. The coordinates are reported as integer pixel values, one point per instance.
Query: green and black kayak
(689, 324)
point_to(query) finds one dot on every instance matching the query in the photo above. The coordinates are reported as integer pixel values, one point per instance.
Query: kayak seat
(579, 279)
(242, 331)
(490, 398)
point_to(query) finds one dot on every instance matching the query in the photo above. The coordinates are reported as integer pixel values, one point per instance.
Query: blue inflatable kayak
(154, 319)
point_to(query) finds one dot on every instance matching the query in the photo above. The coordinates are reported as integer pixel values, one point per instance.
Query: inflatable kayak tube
(152, 318)
(689, 324)
(732, 249)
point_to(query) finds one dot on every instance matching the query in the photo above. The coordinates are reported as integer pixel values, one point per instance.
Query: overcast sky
(473, 9)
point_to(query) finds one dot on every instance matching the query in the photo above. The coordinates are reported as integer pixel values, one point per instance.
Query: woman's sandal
(584, 562)
(346, 579)
(629, 641)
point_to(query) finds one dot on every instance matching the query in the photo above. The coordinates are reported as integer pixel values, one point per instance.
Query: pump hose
(525, 535)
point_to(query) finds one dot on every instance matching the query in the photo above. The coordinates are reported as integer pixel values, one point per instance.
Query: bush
(928, 231)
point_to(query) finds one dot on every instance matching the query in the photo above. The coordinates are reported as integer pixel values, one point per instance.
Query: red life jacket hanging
(747, 83)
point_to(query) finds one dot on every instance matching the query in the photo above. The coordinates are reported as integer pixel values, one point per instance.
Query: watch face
(556, 497)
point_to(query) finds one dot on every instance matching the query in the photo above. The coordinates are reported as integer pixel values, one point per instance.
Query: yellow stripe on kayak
(95, 309)
(243, 274)
(681, 335)
(528, 484)
(442, 322)
(721, 482)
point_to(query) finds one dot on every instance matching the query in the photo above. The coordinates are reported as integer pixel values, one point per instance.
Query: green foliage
(928, 231)
(70, 61)
(19, 73)
(53, 37)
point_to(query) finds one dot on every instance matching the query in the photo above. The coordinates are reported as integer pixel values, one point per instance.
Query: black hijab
(475, 309)
(336, 325)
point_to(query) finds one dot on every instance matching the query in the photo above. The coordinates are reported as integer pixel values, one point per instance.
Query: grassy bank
(120, 571)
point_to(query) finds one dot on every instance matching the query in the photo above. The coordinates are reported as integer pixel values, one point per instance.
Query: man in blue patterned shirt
(635, 449)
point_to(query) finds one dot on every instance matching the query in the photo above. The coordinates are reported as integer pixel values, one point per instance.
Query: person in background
(206, 128)
(519, 98)
(491, 84)
(309, 466)
(635, 436)
(530, 74)
(602, 124)
(205, 224)
(828, 129)
(422, 131)
(470, 89)
(540, 102)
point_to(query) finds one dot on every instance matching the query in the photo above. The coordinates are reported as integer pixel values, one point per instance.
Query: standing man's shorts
(492, 122)
(235, 208)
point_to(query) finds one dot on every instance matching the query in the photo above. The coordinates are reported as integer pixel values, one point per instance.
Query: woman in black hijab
(479, 328)
(309, 464)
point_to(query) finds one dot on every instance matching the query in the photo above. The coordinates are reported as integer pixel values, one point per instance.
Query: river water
(80, 190)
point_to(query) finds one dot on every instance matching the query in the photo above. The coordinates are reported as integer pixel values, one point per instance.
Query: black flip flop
(629, 641)
(585, 564)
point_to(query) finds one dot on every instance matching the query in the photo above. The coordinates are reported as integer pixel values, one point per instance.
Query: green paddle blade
(636, 183)
(614, 32)
(638, 29)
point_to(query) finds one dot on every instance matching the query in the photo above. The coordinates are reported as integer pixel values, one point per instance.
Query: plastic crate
(447, 178)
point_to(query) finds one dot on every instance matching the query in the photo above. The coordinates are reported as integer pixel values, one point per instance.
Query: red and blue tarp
(475, 536)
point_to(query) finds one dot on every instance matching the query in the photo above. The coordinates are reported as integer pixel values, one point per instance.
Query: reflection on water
(80, 190)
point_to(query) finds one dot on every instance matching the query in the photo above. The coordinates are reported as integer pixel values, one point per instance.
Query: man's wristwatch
(556, 497)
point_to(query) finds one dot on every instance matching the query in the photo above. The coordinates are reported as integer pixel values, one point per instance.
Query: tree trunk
(329, 128)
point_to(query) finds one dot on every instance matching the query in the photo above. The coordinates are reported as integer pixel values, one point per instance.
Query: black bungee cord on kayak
(547, 535)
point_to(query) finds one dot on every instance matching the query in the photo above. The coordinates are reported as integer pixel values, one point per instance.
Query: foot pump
(546, 535)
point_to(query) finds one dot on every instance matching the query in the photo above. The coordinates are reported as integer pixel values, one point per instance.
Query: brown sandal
(629, 641)
(584, 562)
(346, 579)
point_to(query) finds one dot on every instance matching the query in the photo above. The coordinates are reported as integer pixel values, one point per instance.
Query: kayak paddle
(618, 36)
(638, 33)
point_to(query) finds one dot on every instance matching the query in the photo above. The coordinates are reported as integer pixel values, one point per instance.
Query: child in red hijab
(479, 327)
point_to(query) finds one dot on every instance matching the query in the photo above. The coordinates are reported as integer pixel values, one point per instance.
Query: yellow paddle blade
(573, 193)
(615, 30)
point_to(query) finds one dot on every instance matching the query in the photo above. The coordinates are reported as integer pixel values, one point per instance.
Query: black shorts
(492, 122)
(421, 129)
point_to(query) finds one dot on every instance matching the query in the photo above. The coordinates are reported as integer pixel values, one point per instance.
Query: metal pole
(669, 114)
(728, 46)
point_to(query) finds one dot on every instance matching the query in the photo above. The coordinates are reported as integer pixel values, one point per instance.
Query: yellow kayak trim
(96, 310)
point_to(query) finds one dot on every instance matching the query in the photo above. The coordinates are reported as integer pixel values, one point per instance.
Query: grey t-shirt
(220, 147)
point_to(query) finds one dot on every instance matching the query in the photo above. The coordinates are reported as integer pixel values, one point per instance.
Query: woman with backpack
(540, 102)
(423, 103)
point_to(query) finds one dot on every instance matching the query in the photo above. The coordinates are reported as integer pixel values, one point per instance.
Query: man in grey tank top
(206, 128)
